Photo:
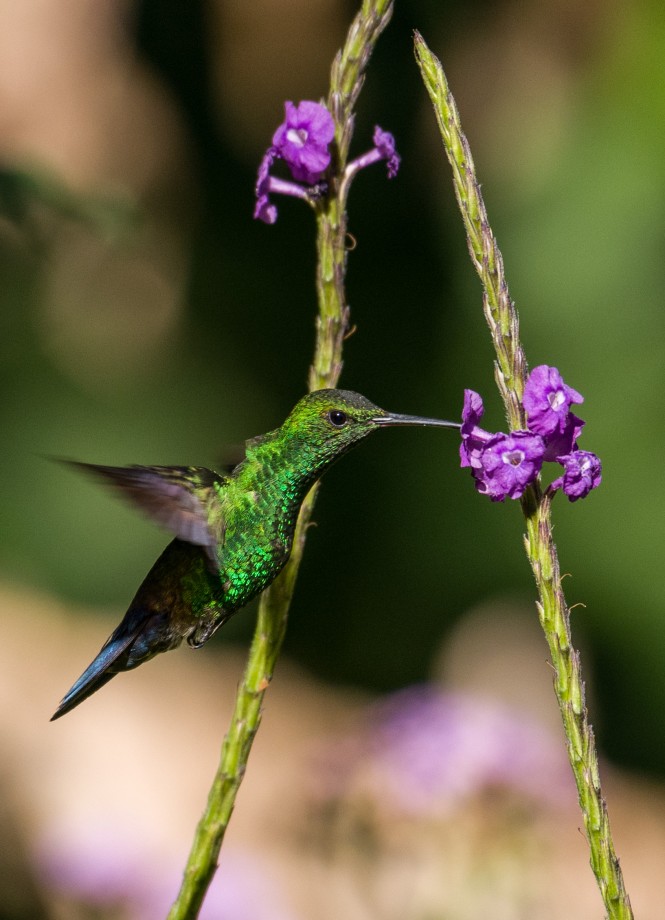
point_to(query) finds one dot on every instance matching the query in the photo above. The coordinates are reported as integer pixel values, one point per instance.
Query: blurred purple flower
(385, 144)
(303, 140)
(547, 400)
(582, 472)
(104, 868)
(100, 866)
(426, 752)
(264, 210)
(244, 888)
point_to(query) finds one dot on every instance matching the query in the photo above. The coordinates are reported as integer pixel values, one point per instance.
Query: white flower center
(514, 457)
(297, 136)
(556, 399)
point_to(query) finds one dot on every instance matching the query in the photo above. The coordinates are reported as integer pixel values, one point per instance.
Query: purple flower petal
(263, 176)
(547, 400)
(582, 472)
(474, 438)
(264, 210)
(472, 411)
(563, 442)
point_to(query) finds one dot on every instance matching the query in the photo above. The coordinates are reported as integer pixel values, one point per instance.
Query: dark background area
(146, 318)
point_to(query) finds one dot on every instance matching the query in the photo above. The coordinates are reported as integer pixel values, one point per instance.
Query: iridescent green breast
(258, 534)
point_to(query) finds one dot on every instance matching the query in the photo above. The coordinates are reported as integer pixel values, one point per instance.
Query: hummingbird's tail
(132, 643)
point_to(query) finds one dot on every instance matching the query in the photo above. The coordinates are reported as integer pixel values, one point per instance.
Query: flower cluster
(303, 141)
(503, 465)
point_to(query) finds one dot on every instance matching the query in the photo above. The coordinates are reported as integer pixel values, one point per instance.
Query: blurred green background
(146, 318)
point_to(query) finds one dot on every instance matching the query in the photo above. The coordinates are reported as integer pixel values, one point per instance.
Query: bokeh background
(146, 318)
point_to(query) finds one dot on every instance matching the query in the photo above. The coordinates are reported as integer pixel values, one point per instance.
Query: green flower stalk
(331, 327)
(511, 377)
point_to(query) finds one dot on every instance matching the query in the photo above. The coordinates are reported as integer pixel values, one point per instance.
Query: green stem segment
(510, 370)
(347, 78)
(346, 81)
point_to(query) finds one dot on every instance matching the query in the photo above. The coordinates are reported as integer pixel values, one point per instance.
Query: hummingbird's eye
(337, 418)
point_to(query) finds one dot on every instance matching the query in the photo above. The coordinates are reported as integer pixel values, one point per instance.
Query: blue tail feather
(115, 651)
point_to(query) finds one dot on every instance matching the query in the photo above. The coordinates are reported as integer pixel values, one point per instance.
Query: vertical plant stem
(331, 325)
(510, 372)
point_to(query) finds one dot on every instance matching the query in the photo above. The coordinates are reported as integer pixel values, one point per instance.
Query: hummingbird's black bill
(393, 418)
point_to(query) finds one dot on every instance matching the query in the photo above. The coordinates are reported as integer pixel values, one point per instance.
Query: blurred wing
(175, 497)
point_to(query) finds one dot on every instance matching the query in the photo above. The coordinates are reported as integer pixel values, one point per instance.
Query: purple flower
(502, 465)
(581, 473)
(547, 400)
(383, 149)
(508, 463)
(385, 144)
(303, 140)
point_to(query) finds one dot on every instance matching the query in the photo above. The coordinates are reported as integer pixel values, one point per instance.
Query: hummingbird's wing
(178, 498)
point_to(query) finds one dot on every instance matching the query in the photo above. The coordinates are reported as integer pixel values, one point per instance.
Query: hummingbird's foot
(205, 631)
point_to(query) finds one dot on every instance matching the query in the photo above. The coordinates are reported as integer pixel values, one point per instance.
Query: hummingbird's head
(332, 421)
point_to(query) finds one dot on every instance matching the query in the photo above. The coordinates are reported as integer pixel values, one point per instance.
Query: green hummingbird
(233, 533)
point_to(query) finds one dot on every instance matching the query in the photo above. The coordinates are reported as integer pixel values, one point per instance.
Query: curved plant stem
(331, 326)
(510, 371)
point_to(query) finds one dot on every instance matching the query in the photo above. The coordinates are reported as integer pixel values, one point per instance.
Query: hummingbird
(233, 532)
